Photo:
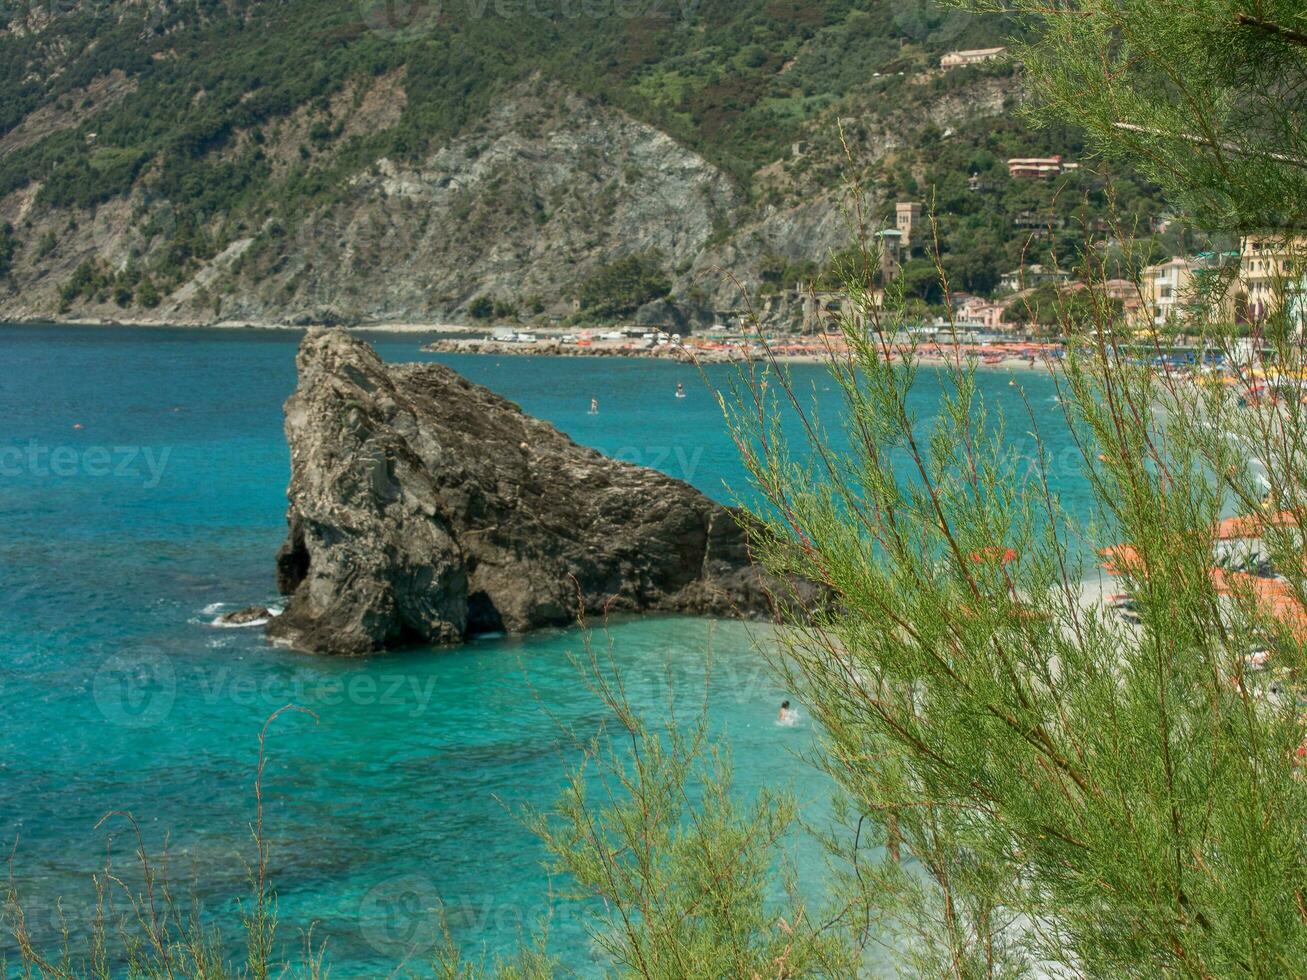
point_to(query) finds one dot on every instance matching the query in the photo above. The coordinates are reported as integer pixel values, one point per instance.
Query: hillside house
(975, 56)
(1038, 168)
(1037, 219)
(984, 314)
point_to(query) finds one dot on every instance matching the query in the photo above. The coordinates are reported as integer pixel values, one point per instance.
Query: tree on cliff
(620, 288)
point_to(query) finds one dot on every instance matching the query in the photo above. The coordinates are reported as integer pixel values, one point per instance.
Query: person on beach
(787, 716)
(594, 406)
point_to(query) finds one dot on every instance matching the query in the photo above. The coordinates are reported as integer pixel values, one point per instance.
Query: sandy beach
(472, 339)
(1004, 356)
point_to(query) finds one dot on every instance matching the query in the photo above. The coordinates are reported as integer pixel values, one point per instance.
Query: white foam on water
(215, 609)
(262, 621)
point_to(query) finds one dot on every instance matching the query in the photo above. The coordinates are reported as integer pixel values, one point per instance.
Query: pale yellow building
(1246, 287)
(1272, 275)
(1164, 289)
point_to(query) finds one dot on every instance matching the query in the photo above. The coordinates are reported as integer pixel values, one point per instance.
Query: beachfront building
(1164, 288)
(1174, 290)
(980, 313)
(1272, 277)
(1038, 168)
(820, 309)
(1029, 276)
(975, 56)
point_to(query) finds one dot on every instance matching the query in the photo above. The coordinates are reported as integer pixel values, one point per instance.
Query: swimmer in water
(594, 406)
(787, 715)
(680, 390)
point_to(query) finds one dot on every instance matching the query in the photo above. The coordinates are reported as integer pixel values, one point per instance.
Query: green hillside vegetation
(622, 287)
(986, 222)
(1004, 222)
(736, 82)
(208, 71)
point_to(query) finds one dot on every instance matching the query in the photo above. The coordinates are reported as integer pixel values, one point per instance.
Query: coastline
(783, 350)
(471, 339)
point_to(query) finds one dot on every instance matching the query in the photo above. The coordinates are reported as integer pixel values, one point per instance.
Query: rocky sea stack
(426, 509)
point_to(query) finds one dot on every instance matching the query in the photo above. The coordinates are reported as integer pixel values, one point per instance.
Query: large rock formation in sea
(426, 509)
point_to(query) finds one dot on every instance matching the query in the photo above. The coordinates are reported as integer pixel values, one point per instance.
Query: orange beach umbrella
(1120, 559)
(1252, 525)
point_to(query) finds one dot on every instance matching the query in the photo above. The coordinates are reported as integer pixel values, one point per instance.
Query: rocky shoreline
(556, 348)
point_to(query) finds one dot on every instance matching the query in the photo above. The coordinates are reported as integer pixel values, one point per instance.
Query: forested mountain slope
(194, 160)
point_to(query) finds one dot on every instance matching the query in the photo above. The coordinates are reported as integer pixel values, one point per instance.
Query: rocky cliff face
(426, 509)
(547, 188)
(522, 208)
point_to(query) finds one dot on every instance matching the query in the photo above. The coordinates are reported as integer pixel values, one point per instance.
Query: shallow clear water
(118, 539)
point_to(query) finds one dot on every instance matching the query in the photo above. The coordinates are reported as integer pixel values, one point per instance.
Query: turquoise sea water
(120, 539)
